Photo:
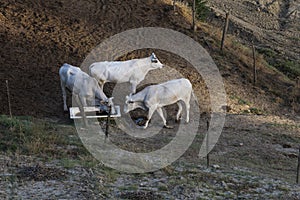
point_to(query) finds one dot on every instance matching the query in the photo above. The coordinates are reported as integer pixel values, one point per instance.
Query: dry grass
(29, 136)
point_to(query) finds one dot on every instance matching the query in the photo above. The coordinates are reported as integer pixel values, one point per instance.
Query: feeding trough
(93, 112)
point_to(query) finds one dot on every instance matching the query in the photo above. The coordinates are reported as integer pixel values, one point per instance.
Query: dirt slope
(37, 37)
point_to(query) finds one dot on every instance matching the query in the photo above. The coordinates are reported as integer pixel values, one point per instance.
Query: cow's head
(109, 103)
(155, 63)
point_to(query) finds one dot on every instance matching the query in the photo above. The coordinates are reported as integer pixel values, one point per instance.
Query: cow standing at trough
(132, 71)
(85, 88)
(154, 97)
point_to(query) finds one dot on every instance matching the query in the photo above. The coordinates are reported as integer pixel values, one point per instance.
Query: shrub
(202, 10)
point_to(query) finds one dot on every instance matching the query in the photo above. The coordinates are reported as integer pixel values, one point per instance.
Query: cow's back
(179, 87)
(119, 71)
(68, 75)
(169, 92)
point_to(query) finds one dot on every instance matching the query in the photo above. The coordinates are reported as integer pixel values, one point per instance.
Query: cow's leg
(187, 106)
(79, 104)
(133, 87)
(82, 103)
(188, 112)
(111, 104)
(64, 93)
(179, 111)
(102, 84)
(161, 114)
(150, 113)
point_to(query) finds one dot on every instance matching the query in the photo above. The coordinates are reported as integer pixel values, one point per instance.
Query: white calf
(154, 97)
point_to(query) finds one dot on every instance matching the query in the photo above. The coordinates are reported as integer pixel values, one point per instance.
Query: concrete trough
(93, 112)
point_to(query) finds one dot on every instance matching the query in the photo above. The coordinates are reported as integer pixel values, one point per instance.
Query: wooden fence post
(295, 94)
(225, 30)
(254, 65)
(174, 5)
(194, 16)
(298, 168)
(8, 99)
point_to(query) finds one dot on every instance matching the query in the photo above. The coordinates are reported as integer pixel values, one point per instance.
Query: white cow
(132, 71)
(84, 87)
(154, 97)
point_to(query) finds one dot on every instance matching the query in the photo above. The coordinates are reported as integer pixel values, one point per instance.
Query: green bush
(290, 68)
(202, 10)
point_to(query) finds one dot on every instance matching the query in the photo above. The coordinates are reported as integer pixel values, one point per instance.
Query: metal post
(107, 121)
(207, 145)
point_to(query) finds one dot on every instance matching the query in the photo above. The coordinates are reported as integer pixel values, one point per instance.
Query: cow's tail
(194, 96)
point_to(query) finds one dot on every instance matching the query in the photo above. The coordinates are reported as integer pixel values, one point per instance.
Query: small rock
(143, 184)
(260, 190)
(224, 185)
(216, 166)
(229, 193)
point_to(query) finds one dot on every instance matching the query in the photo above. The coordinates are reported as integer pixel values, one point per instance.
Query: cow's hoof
(178, 120)
(168, 127)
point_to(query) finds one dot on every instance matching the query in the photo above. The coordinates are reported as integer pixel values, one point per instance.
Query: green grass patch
(110, 174)
(290, 68)
(240, 101)
(87, 161)
(256, 111)
(29, 136)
